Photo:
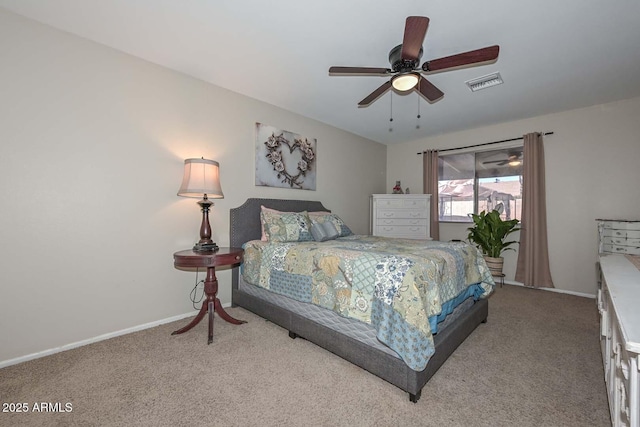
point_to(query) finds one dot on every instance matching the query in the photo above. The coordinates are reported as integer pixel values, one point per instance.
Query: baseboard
(77, 344)
(559, 291)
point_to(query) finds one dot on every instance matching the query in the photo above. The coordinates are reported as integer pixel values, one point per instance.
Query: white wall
(592, 171)
(92, 143)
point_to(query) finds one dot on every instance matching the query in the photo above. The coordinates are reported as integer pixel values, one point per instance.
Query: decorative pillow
(286, 226)
(323, 231)
(337, 222)
(263, 237)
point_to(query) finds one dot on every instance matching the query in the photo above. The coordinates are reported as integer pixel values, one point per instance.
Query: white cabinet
(400, 215)
(618, 236)
(618, 302)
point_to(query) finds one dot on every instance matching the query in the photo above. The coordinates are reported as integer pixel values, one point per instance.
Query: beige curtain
(533, 255)
(430, 186)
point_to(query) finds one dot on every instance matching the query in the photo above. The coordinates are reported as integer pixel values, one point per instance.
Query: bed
(354, 340)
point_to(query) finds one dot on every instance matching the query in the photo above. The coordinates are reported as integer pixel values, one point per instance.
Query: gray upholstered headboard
(245, 219)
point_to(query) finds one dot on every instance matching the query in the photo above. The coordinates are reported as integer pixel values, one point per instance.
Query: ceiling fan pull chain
(418, 117)
(391, 111)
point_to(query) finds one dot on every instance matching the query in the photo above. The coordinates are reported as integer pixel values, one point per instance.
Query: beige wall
(591, 172)
(92, 143)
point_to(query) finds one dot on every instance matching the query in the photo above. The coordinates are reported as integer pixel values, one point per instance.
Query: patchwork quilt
(402, 287)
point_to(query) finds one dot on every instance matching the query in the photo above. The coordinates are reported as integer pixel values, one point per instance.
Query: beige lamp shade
(201, 176)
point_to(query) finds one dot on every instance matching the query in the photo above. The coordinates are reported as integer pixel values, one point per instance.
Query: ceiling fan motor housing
(402, 65)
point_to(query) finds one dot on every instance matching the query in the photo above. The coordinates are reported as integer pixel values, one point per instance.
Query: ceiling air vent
(484, 82)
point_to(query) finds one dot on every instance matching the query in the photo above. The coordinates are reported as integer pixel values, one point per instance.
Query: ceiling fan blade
(415, 28)
(476, 57)
(359, 71)
(375, 95)
(428, 90)
(498, 162)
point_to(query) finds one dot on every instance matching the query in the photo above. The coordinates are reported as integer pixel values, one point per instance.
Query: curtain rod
(486, 143)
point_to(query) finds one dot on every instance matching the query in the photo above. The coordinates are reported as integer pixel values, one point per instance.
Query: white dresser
(618, 236)
(619, 306)
(400, 215)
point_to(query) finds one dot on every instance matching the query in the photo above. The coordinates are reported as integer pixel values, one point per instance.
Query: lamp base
(205, 247)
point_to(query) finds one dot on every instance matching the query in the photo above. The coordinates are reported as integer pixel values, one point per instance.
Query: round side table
(209, 260)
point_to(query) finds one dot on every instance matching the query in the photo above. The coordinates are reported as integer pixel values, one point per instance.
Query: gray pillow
(323, 231)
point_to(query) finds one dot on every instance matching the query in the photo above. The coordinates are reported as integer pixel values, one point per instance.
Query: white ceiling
(554, 55)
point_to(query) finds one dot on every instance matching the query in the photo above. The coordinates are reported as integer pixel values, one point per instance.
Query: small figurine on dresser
(397, 189)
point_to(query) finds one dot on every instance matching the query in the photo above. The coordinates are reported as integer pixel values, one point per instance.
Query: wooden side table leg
(211, 289)
(225, 316)
(210, 306)
(194, 322)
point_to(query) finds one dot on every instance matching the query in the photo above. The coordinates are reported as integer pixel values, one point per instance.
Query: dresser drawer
(615, 249)
(626, 234)
(390, 203)
(415, 204)
(406, 231)
(402, 203)
(402, 221)
(401, 213)
(621, 241)
(621, 225)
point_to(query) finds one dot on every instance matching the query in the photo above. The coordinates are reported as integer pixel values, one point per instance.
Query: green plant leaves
(489, 233)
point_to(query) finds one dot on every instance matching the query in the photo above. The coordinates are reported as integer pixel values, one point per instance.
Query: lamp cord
(194, 292)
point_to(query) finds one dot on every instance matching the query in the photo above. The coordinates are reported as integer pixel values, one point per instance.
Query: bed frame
(245, 226)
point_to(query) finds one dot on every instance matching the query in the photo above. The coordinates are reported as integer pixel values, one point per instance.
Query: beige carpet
(535, 363)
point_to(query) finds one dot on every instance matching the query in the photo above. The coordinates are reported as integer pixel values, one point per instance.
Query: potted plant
(489, 233)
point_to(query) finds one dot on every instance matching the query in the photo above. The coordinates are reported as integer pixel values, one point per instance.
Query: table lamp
(202, 179)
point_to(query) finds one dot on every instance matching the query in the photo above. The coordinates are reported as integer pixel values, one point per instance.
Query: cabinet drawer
(400, 213)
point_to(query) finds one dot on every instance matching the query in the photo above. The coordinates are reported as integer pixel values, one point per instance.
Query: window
(473, 182)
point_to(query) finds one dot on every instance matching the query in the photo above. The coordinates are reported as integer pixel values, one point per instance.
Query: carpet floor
(536, 362)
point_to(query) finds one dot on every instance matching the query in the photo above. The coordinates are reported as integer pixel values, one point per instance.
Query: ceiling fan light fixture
(515, 162)
(484, 82)
(405, 82)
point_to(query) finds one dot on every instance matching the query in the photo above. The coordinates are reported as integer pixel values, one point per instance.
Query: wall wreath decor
(284, 159)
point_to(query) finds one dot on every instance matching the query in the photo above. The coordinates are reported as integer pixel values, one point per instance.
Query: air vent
(484, 82)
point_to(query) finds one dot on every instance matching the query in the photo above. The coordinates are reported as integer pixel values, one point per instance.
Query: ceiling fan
(514, 159)
(405, 64)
